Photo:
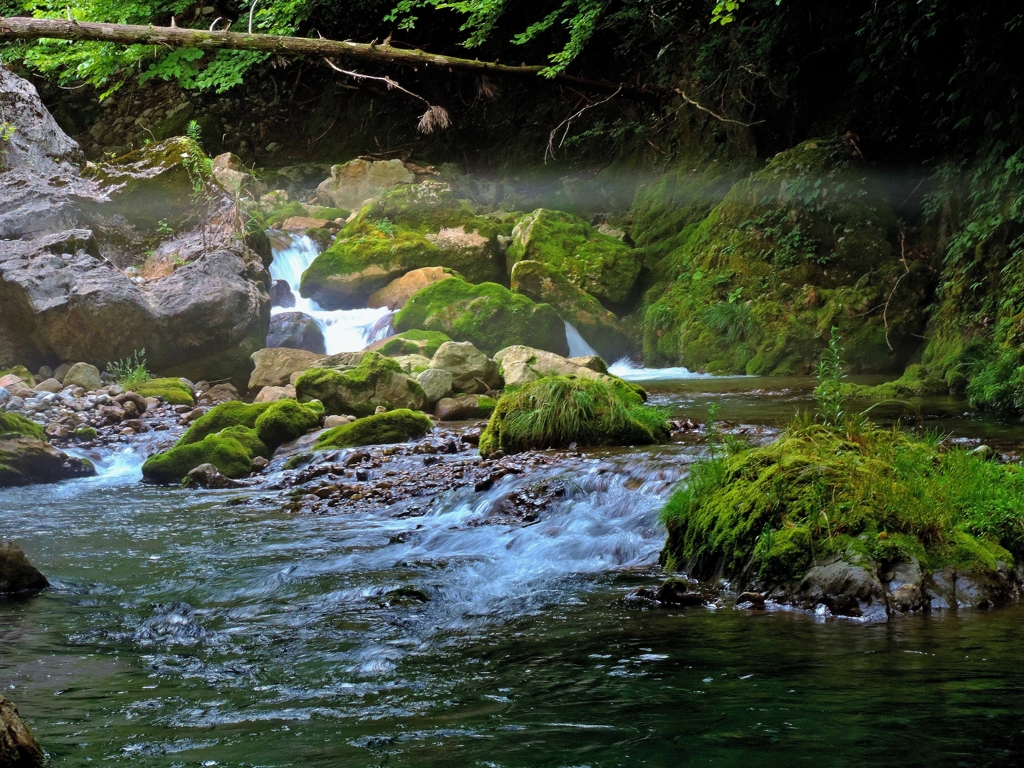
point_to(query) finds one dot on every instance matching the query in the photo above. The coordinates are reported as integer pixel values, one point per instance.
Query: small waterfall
(628, 370)
(578, 346)
(344, 330)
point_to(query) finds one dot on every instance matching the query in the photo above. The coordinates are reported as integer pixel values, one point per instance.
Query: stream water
(189, 628)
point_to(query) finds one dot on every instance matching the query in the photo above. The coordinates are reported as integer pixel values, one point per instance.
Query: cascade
(578, 346)
(344, 330)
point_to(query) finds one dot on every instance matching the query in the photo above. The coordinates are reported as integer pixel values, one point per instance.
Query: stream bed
(214, 628)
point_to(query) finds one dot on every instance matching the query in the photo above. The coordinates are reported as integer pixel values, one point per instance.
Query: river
(212, 628)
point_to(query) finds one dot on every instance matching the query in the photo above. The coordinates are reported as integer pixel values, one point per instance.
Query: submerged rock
(488, 315)
(18, 747)
(17, 574)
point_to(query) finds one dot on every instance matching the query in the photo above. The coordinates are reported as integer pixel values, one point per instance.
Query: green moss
(251, 440)
(85, 433)
(761, 516)
(279, 216)
(230, 414)
(799, 247)
(13, 425)
(20, 371)
(557, 411)
(330, 214)
(392, 427)
(488, 315)
(172, 391)
(413, 342)
(357, 391)
(916, 381)
(284, 421)
(226, 453)
(486, 405)
(600, 265)
(322, 237)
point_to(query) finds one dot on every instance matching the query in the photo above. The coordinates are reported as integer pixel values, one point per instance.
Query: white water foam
(626, 369)
(344, 330)
(578, 346)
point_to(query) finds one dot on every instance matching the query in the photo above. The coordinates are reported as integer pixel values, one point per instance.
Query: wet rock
(17, 574)
(464, 407)
(25, 460)
(281, 294)
(905, 588)
(275, 366)
(751, 600)
(472, 371)
(259, 463)
(984, 451)
(208, 476)
(83, 375)
(397, 293)
(296, 330)
(336, 421)
(844, 589)
(18, 747)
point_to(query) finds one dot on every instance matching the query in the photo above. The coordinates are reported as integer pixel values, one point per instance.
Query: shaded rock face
(17, 574)
(18, 747)
(281, 295)
(296, 330)
(27, 460)
(63, 295)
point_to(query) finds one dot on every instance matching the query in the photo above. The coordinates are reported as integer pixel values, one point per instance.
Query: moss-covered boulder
(801, 246)
(488, 315)
(395, 426)
(599, 327)
(603, 266)
(397, 293)
(864, 521)
(411, 228)
(26, 458)
(376, 381)
(173, 391)
(413, 342)
(557, 411)
(231, 435)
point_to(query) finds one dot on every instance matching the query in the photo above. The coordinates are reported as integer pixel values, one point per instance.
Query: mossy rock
(14, 425)
(279, 216)
(558, 411)
(376, 381)
(488, 315)
(871, 498)
(331, 214)
(412, 342)
(600, 328)
(916, 381)
(285, 421)
(225, 451)
(603, 266)
(26, 458)
(799, 247)
(20, 371)
(171, 391)
(403, 231)
(231, 414)
(395, 426)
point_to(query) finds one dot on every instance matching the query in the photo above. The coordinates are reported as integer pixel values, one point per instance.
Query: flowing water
(344, 330)
(202, 628)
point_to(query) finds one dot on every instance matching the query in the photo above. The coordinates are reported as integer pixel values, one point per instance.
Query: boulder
(397, 293)
(472, 371)
(600, 265)
(26, 458)
(231, 176)
(354, 182)
(83, 375)
(49, 385)
(18, 747)
(281, 294)
(413, 342)
(376, 381)
(436, 384)
(845, 589)
(218, 393)
(274, 366)
(62, 371)
(600, 328)
(465, 407)
(396, 426)
(488, 315)
(593, 362)
(296, 330)
(273, 394)
(17, 574)
(413, 364)
(330, 422)
(520, 365)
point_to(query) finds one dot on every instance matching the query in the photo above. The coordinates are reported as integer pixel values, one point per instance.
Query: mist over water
(344, 330)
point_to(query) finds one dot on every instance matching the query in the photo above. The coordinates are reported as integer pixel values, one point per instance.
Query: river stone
(462, 408)
(83, 375)
(520, 365)
(397, 293)
(275, 366)
(5, 395)
(219, 393)
(353, 183)
(281, 294)
(61, 372)
(846, 589)
(208, 476)
(11, 380)
(49, 385)
(296, 330)
(17, 574)
(273, 394)
(472, 371)
(18, 747)
(436, 384)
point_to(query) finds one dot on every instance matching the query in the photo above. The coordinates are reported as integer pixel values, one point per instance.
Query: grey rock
(208, 476)
(472, 371)
(845, 589)
(50, 385)
(296, 330)
(281, 295)
(436, 383)
(83, 375)
(461, 408)
(353, 183)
